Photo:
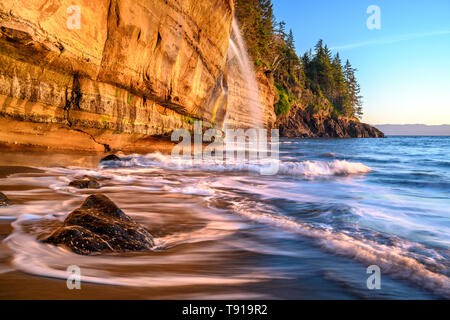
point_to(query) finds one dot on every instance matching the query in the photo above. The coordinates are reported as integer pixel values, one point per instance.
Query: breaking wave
(395, 260)
(289, 168)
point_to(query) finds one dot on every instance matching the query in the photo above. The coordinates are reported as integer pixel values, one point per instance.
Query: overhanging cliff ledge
(133, 69)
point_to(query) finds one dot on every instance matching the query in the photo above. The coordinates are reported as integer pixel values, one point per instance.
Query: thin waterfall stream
(249, 95)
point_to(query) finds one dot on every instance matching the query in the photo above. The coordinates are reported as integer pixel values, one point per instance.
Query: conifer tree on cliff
(352, 106)
(339, 90)
(256, 20)
(317, 81)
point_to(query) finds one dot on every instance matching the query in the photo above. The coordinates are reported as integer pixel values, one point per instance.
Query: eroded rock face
(99, 226)
(4, 201)
(303, 125)
(240, 116)
(134, 68)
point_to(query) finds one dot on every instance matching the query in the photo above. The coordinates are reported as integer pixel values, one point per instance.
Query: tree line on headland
(317, 80)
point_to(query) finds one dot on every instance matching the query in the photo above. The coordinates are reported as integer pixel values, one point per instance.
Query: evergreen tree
(353, 102)
(317, 80)
(290, 41)
(281, 30)
(339, 84)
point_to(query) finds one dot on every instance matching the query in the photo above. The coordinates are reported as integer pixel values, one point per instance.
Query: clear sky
(403, 68)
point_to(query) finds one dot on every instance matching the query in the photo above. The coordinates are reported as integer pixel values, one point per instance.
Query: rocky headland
(303, 124)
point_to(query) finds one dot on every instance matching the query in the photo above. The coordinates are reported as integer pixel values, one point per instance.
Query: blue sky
(403, 68)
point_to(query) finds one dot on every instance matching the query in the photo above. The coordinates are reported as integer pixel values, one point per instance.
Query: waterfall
(244, 105)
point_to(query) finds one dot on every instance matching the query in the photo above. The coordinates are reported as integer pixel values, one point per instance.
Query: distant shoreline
(414, 130)
(417, 135)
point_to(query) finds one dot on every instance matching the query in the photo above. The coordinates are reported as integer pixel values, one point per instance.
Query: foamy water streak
(219, 223)
(393, 260)
(34, 257)
(37, 258)
(299, 169)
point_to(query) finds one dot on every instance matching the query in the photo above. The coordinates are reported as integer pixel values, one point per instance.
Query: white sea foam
(394, 260)
(319, 168)
(34, 257)
(301, 169)
(200, 189)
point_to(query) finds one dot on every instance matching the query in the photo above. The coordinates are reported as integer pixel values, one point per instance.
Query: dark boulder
(111, 157)
(99, 226)
(87, 183)
(4, 201)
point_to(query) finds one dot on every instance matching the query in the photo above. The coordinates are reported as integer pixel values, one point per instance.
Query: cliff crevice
(133, 69)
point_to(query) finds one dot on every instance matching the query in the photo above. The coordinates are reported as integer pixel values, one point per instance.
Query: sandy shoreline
(214, 243)
(18, 285)
(141, 146)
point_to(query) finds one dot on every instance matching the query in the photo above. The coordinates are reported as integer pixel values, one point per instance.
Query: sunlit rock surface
(134, 68)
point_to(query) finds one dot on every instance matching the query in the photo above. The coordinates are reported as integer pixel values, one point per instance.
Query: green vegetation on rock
(317, 80)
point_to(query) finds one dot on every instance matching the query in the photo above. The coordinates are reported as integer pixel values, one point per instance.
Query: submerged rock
(329, 155)
(99, 226)
(111, 157)
(4, 201)
(87, 183)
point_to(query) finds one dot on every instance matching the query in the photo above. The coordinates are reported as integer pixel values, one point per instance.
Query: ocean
(336, 208)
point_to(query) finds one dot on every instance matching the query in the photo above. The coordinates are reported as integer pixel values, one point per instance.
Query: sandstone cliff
(133, 69)
(301, 123)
